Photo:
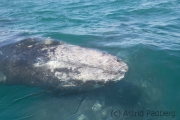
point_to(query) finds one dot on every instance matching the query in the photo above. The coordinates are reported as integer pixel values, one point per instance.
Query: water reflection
(95, 104)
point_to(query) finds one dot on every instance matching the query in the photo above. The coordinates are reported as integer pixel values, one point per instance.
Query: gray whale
(54, 64)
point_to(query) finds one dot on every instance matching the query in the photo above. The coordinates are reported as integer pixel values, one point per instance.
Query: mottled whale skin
(54, 64)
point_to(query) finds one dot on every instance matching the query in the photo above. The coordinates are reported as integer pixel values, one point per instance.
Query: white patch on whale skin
(2, 77)
(39, 62)
(69, 62)
(86, 73)
(30, 46)
(84, 64)
(48, 41)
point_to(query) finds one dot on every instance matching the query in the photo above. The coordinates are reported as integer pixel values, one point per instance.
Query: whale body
(55, 64)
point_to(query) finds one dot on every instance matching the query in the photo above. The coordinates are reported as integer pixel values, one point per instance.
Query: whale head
(57, 64)
(78, 65)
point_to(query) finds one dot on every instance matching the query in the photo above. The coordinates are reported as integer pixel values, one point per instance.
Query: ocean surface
(143, 33)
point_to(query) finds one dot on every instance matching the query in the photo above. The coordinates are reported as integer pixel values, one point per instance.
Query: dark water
(144, 34)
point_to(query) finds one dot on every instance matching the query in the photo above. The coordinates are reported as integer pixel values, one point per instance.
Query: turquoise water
(144, 34)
